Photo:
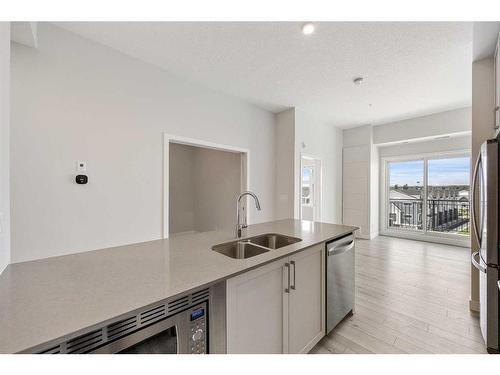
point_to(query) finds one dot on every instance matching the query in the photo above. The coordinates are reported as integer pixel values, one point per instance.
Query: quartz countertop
(46, 299)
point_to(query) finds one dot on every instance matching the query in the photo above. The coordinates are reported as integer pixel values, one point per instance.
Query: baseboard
(433, 239)
(3, 268)
(474, 305)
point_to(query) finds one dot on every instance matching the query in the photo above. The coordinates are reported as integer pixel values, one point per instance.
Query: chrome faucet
(240, 226)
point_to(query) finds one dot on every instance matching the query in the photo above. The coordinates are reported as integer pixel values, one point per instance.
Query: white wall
(436, 145)
(181, 194)
(299, 132)
(358, 161)
(4, 145)
(457, 121)
(203, 187)
(285, 164)
(324, 141)
(217, 179)
(73, 99)
(374, 191)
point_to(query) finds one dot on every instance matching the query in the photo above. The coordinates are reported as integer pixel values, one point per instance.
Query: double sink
(250, 247)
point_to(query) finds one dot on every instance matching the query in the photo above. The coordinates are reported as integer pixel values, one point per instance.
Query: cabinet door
(257, 307)
(307, 299)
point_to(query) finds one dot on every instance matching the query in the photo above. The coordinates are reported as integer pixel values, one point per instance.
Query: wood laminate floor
(411, 297)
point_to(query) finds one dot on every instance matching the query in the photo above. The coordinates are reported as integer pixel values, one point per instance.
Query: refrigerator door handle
(473, 200)
(477, 264)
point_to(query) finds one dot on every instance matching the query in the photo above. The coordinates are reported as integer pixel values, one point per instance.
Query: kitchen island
(46, 300)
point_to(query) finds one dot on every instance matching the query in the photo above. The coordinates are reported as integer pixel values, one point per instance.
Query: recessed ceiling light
(308, 28)
(357, 80)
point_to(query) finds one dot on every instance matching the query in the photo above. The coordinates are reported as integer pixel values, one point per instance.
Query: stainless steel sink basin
(273, 240)
(240, 249)
(253, 246)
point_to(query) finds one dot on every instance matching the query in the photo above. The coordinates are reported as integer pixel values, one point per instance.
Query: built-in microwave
(182, 333)
(174, 326)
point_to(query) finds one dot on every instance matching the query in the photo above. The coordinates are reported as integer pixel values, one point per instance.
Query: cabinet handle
(293, 264)
(287, 265)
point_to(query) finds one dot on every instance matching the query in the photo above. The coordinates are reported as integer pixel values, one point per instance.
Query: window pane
(405, 195)
(307, 190)
(448, 195)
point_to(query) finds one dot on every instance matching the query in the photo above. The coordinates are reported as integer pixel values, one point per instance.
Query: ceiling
(409, 69)
(485, 36)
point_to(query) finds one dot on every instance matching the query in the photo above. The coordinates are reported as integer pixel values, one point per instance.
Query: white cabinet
(255, 307)
(497, 84)
(279, 307)
(306, 303)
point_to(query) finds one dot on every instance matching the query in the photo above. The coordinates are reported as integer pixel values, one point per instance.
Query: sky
(452, 171)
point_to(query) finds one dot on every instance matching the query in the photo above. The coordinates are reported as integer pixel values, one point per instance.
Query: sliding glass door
(406, 195)
(448, 193)
(428, 195)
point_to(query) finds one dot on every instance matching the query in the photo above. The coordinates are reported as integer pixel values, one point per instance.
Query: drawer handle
(287, 265)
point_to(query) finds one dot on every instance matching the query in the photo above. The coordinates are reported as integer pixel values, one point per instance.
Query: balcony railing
(443, 215)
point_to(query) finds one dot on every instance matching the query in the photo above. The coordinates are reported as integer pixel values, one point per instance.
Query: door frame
(170, 138)
(446, 238)
(304, 155)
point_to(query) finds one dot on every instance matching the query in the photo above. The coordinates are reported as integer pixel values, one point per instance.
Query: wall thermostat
(81, 166)
(81, 179)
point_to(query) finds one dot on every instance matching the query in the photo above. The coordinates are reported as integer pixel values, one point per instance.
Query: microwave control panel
(198, 330)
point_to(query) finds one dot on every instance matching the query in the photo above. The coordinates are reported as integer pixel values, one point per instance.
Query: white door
(306, 300)
(257, 308)
(310, 189)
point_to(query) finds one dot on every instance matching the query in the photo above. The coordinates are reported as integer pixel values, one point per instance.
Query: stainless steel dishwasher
(339, 280)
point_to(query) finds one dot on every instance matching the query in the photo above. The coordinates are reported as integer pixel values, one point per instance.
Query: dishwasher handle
(340, 247)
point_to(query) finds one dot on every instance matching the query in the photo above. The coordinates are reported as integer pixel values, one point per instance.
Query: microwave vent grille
(85, 343)
(53, 350)
(154, 314)
(122, 328)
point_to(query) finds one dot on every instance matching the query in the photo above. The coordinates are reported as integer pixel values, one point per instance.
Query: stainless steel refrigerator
(485, 220)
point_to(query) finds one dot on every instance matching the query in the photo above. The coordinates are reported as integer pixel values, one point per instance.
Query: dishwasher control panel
(198, 330)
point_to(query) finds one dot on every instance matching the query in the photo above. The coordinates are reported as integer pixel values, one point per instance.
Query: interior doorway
(202, 181)
(310, 188)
